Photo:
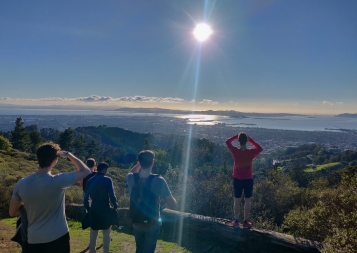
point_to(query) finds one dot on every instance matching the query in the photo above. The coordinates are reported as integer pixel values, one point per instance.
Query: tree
(49, 134)
(298, 174)
(161, 162)
(19, 137)
(92, 149)
(35, 140)
(65, 140)
(79, 146)
(175, 154)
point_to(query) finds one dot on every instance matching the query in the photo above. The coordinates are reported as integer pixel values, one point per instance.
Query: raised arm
(230, 140)
(135, 169)
(256, 145)
(83, 170)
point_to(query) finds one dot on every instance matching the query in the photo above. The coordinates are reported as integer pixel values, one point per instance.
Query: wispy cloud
(108, 99)
(208, 102)
(327, 103)
(98, 102)
(153, 99)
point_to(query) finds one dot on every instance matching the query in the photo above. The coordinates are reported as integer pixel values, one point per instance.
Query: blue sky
(297, 56)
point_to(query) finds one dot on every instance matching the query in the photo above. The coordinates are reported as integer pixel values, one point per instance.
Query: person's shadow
(86, 249)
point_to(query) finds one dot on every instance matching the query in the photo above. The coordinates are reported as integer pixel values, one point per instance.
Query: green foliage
(7, 183)
(273, 198)
(49, 134)
(4, 144)
(299, 175)
(35, 140)
(161, 164)
(19, 137)
(206, 194)
(79, 147)
(92, 149)
(333, 219)
(65, 139)
(74, 195)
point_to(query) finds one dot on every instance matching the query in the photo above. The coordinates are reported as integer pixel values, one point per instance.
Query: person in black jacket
(100, 189)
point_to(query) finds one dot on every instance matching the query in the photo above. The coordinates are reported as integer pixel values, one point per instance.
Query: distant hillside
(114, 136)
(230, 113)
(348, 115)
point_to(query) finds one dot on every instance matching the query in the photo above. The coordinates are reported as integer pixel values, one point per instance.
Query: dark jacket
(100, 189)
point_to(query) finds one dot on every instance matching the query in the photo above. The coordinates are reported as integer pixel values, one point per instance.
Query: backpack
(144, 204)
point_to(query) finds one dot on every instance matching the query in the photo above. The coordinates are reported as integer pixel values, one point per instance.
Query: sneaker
(247, 224)
(235, 223)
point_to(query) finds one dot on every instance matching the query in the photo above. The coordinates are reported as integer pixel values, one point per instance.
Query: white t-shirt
(43, 196)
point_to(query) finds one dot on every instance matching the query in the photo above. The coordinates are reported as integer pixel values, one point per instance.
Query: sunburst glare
(202, 32)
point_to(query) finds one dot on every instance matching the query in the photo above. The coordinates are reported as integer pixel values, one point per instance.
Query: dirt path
(6, 245)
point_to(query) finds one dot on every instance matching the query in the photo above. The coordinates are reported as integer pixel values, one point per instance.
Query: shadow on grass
(87, 249)
(191, 241)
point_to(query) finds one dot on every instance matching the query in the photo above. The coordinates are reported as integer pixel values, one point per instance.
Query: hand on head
(63, 153)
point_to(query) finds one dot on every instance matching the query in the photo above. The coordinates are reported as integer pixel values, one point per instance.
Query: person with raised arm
(43, 196)
(146, 189)
(242, 174)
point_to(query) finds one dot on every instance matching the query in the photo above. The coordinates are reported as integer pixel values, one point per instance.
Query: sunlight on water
(200, 119)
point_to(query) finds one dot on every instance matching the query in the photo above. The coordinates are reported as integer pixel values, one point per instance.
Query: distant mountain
(230, 113)
(349, 115)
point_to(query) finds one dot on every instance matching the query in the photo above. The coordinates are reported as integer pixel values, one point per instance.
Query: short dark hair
(242, 138)
(46, 153)
(90, 162)
(102, 166)
(146, 157)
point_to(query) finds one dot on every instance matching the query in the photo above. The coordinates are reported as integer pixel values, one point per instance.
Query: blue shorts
(245, 185)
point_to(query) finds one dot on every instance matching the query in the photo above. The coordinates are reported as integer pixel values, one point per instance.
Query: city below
(271, 139)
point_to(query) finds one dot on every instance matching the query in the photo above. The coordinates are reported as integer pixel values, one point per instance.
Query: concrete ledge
(217, 230)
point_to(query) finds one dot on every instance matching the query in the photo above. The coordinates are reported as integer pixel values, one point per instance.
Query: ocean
(300, 123)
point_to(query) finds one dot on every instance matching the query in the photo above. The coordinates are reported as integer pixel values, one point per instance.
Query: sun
(202, 32)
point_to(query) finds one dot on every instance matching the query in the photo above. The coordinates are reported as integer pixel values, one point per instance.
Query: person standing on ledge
(242, 174)
(43, 196)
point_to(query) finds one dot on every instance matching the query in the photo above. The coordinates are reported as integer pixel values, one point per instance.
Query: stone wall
(216, 230)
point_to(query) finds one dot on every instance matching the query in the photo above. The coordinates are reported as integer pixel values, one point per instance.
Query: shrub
(74, 195)
(333, 219)
(273, 198)
(4, 144)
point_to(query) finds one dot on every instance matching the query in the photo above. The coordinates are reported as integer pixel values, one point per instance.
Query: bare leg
(247, 205)
(237, 208)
